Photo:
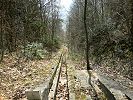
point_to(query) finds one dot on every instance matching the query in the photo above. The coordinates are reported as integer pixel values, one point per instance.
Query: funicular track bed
(59, 89)
(68, 83)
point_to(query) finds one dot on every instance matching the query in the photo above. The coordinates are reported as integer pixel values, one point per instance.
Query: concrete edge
(110, 92)
(53, 90)
(42, 91)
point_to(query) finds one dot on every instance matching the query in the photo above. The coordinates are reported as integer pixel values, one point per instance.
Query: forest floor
(16, 77)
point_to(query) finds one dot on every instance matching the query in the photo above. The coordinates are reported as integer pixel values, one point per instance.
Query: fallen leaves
(62, 90)
(16, 78)
(1, 98)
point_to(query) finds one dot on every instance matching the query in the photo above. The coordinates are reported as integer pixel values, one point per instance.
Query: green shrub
(51, 45)
(34, 51)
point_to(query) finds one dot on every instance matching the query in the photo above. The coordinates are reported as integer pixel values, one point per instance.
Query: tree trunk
(87, 41)
(1, 38)
(132, 24)
(131, 43)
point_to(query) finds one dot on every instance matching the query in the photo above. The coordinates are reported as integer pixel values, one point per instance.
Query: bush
(51, 45)
(34, 51)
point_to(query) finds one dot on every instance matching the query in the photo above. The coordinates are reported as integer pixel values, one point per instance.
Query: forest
(71, 56)
(110, 33)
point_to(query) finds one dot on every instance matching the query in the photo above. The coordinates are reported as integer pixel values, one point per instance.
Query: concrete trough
(112, 90)
(53, 90)
(41, 92)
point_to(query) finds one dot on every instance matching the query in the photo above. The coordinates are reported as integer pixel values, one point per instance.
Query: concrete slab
(82, 77)
(112, 89)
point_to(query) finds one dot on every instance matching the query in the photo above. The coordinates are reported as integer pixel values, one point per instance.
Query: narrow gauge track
(62, 88)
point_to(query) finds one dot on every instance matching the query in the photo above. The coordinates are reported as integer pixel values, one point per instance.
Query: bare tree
(87, 42)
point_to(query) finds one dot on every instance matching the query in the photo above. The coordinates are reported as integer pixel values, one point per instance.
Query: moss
(80, 95)
(103, 97)
(83, 97)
